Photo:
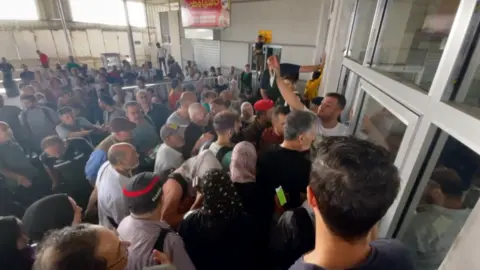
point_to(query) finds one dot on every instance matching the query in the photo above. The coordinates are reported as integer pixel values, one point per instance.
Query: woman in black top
(242, 172)
(220, 235)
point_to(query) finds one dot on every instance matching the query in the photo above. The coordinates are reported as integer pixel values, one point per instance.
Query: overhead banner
(206, 13)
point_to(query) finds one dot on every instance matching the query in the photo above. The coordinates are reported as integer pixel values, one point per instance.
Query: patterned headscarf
(244, 162)
(221, 199)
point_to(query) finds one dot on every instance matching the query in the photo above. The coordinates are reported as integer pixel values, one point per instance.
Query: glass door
(383, 121)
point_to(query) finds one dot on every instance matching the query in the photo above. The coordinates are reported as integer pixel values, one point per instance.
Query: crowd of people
(214, 175)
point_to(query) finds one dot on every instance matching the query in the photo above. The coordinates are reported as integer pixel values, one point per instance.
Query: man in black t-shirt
(65, 163)
(352, 185)
(289, 72)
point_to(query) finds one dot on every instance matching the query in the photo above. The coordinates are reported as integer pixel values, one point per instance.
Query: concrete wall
(293, 23)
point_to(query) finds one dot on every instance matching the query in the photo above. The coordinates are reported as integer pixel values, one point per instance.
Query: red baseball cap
(263, 105)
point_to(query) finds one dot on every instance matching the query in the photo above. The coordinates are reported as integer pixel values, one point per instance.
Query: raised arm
(285, 90)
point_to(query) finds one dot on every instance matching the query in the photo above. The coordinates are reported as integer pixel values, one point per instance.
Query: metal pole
(64, 25)
(130, 35)
(148, 26)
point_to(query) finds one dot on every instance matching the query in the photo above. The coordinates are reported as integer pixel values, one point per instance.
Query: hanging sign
(206, 13)
(267, 36)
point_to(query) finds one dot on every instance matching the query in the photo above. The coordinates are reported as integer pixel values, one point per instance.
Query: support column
(61, 11)
(130, 35)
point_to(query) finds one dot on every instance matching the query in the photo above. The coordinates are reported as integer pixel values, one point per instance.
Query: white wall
(293, 23)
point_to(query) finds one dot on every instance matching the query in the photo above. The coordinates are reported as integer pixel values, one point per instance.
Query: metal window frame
(459, 121)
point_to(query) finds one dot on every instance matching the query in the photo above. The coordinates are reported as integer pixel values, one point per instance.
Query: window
(361, 29)
(443, 201)
(380, 126)
(412, 38)
(110, 12)
(18, 10)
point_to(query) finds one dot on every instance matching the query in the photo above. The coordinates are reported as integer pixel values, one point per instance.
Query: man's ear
(311, 200)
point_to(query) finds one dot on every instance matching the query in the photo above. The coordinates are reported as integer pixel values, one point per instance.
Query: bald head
(186, 99)
(123, 155)
(198, 114)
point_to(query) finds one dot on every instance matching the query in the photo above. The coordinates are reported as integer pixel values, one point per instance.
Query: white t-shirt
(161, 52)
(339, 130)
(215, 147)
(167, 158)
(111, 203)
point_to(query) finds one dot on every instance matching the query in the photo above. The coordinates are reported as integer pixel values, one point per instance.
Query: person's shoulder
(392, 253)
(300, 264)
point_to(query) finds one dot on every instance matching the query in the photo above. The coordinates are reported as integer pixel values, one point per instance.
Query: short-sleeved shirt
(142, 235)
(70, 166)
(176, 119)
(259, 46)
(80, 124)
(167, 158)
(111, 203)
(385, 254)
(40, 122)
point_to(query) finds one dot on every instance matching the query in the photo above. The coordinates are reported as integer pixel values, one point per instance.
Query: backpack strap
(222, 152)
(161, 239)
(180, 180)
(112, 222)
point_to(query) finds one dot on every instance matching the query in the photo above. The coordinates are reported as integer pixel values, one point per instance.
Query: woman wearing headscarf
(220, 235)
(49, 213)
(14, 250)
(242, 172)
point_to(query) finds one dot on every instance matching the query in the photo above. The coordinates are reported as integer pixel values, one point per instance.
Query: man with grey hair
(157, 112)
(198, 131)
(144, 135)
(286, 167)
(180, 116)
(112, 176)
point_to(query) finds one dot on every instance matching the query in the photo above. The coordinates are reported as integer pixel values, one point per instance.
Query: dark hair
(64, 110)
(354, 182)
(10, 232)
(51, 141)
(219, 101)
(224, 121)
(28, 97)
(281, 110)
(291, 77)
(208, 94)
(297, 123)
(316, 75)
(73, 248)
(141, 78)
(449, 181)
(341, 100)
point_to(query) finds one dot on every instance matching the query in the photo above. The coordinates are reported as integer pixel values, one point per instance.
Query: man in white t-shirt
(161, 55)
(328, 113)
(112, 177)
(169, 155)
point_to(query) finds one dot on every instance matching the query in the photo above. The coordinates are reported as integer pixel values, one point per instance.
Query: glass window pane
(380, 126)
(446, 203)
(361, 29)
(412, 38)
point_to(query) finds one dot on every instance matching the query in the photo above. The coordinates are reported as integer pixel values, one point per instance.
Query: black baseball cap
(143, 193)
